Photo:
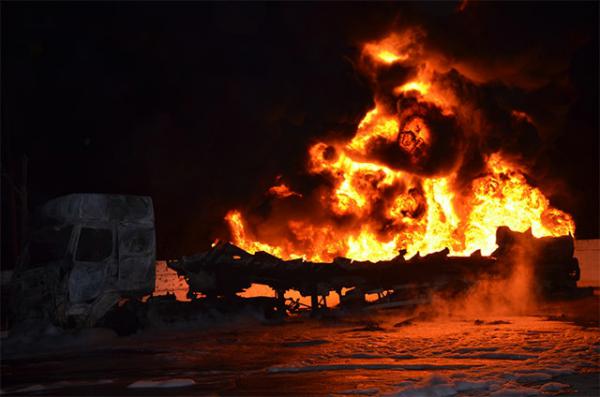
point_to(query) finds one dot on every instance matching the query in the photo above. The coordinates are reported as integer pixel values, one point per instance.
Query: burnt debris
(225, 270)
(85, 254)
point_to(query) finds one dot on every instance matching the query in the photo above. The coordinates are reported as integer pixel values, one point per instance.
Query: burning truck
(90, 252)
(226, 269)
(429, 194)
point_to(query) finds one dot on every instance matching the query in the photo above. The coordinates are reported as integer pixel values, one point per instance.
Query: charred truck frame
(88, 252)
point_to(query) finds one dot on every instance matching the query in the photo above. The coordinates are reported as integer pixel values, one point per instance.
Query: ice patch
(514, 391)
(534, 377)
(360, 392)
(142, 384)
(475, 385)
(554, 386)
(428, 391)
(440, 386)
(560, 371)
(404, 384)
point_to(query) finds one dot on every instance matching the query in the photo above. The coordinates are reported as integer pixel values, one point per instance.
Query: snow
(359, 392)
(440, 357)
(554, 387)
(498, 356)
(474, 385)
(428, 391)
(516, 391)
(524, 357)
(534, 377)
(352, 367)
(438, 385)
(51, 339)
(31, 389)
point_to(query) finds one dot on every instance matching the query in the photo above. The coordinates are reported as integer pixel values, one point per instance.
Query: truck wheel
(123, 319)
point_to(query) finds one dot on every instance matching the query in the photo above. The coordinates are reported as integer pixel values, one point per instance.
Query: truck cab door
(137, 259)
(93, 257)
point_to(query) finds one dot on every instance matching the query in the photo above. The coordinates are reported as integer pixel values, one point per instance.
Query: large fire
(373, 209)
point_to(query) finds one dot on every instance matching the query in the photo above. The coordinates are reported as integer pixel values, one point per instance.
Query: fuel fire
(402, 182)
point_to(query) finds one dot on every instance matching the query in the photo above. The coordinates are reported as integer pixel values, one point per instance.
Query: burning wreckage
(91, 256)
(424, 198)
(226, 270)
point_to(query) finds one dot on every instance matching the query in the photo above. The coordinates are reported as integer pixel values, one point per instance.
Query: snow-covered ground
(366, 354)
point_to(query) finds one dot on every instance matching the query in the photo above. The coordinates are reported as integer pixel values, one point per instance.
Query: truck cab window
(95, 245)
(49, 244)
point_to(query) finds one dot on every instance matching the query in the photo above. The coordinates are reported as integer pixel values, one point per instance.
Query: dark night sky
(202, 105)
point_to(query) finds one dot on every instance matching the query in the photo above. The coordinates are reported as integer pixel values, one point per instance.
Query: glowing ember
(373, 208)
(283, 191)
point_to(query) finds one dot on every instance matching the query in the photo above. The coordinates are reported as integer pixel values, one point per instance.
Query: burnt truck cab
(86, 252)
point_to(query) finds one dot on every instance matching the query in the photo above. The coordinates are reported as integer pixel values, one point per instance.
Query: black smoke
(202, 106)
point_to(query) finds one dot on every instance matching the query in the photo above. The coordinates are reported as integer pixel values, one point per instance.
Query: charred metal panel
(226, 269)
(86, 252)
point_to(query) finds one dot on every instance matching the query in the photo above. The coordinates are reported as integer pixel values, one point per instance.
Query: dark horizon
(202, 105)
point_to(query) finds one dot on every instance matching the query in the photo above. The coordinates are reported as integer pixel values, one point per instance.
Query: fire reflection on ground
(373, 354)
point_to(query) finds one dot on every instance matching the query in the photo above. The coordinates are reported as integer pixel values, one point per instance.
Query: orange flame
(283, 191)
(394, 48)
(372, 211)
